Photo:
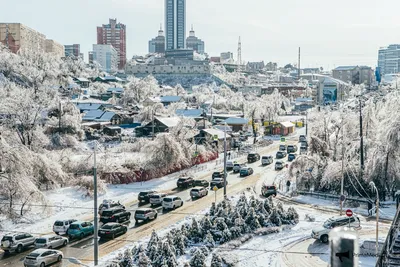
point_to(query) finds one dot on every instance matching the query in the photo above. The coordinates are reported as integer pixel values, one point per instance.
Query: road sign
(342, 198)
(349, 213)
(215, 188)
(283, 139)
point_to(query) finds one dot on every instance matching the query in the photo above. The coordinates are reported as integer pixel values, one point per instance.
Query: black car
(185, 182)
(282, 147)
(280, 154)
(219, 174)
(218, 182)
(115, 215)
(268, 190)
(291, 149)
(302, 138)
(202, 183)
(145, 196)
(111, 230)
(253, 157)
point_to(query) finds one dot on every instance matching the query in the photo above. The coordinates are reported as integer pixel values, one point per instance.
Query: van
(61, 226)
(266, 160)
(323, 231)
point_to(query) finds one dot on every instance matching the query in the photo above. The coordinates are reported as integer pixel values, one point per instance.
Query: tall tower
(175, 24)
(239, 57)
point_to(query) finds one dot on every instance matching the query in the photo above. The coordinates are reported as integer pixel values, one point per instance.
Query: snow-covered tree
(144, 261)
(216, 260)
(168, 256)
(195, 232)
(198, 260)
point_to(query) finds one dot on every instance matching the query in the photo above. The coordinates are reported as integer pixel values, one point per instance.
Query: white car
(51, 241)
(42, 257)
(198, 192)
(229, 165)
(61, 226)
(156, 199)
(172, 202)
(322, 233)
(266, 160)
(16, 242)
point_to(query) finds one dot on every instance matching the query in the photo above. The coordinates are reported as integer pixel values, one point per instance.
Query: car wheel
(19, 249)
(324, 238)
(42, 264)
(70, 237)
(155, 217)
(65, 243)
(81, 236)
(57, 233)
(112, 236)
(181, 204)
(49, 247)
(136, 221)
(59, 258)
(117, 220)
(173, 207)
(125, 230)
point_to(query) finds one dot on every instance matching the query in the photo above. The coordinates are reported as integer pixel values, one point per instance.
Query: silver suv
(198, 192)
(156, 199)
(145, 214)
(16, 242)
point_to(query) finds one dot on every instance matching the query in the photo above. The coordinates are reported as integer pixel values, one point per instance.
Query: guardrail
(330, 196)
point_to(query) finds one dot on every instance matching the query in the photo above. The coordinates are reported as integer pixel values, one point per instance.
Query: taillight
(112, 217)
(108, 232)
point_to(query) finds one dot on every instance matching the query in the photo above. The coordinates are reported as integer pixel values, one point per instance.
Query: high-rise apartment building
(114, 34)
(73, 50)
(175, 24)
(106, 56)
(157, 45)
(17, 36)
(192, 42)
(389, 59)
(54, 48)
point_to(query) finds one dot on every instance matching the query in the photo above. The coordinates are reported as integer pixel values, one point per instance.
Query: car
(282, 148)
(280, 154)
(291, 149)
(51, 241)
(266, 160)
(237, 144)
(278, 165)
(108, 204)
(219, 174)
(218, 182)
(268, 190)
(43, 257)
(229, 165)
(304, 144)
(291, 157)
(116, 214)
(172, 202)
(80, 229)
(61, 226)
(242, 138)
(111, 230)
(302, 138)
(246, 171)
(16, 242)
(184, 182)
(237, 167)
(144, 196)
(253, 157)
(322, 233)
(198, 192)
(145, 214)
(203, 183)
(156, 199)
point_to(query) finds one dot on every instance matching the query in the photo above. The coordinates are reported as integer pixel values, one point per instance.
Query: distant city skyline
(336, 33)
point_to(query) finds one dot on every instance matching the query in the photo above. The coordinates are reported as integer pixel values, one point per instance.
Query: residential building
(54, 48)
(114, 34)
(271, 66)
(227, 57)
(215, 59)
(157, 44)
(17, 36)
(175, 24)
(167, 69)
(98, 115)
(237, 124)
(215, 138)
(106, 56)
(255, 66)
(73, 50)
(389, 59)
(311, 71)
(90, 57)
(192, 42)
(158, 125)
(354, 74)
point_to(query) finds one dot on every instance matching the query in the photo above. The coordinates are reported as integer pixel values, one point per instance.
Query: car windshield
(168, 199)
(140, 212)
(252, 155)
(181, 179)
(327, 224)
(5, 238)
(106, 227)
(107, 213)
(74, 226)
(41, 241)
(59, 223)
(236, 165)
(195, 190)
(270, 187)
(143, 193)
(155, 196)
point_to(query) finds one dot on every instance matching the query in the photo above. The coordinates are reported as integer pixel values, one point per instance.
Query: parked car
(304, 144)
(43, 257)
(237, 167)
(80, 230)
(203, 183)
(302, 138)
(172, 202)
(229, 165)
(291, 157)
(16, 242)
(116, 214)
(198, 192)
(111, 230)
(268, 190)
(322, 233)
(243, 138)
(145, 214)
(280, 154)
(61, 226)
(246, 171)
(266, 160)
(184, 182)
(282, 148)
(51, 241)
(291, 149)
(237, 144)
(278, 165)
(144, 196)
(253, 157)
(108, 204)
(218, 182)
(303, 150)
(156, 199)
(219, 174)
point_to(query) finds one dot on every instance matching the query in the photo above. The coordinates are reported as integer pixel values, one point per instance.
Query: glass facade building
(175, 24)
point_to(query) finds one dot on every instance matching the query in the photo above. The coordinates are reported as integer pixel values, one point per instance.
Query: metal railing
(383, 260)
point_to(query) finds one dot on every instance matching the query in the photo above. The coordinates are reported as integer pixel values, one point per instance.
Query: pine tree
(212, 209)
(143, 260)
(206, 224)
(275, 218)
(127, 259)
(179, 243)
(268, 205)
(209, 241)
(252, 220)
(198, 260)
(226, 236)
(168, 256)
(153, 240)
(195, 233)
(216, 261)
(153, 253)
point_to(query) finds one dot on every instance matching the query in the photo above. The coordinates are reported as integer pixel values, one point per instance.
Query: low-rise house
(115, 91)
(84, 107)
(159, 124)
(166, 100)
(150, 101)
(102, 116)
(286, 128)
(302, 104)
(237, 124)
(112, 130)
(83, 82)
(214, 137)
(196, 114)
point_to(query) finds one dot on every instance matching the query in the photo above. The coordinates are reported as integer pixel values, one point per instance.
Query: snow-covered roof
(217, 132)
(152, 99)
(169, 122)
(89, 106)
(115, 90)
(80, 79)
(287, 124)
(170, 99)
(193, 113)
(98, 115)
(236, 121)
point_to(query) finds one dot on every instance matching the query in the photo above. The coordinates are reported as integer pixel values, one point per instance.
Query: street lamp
(372, 185)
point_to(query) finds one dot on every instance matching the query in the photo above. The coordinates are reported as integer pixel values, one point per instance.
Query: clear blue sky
(331, 33)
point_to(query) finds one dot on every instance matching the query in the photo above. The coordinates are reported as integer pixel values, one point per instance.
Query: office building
(157, 45)
(54, 48)
(192, 42)
(226, 57)
(389, 59)
(354, 74)
(90, 57)
(106, 56)
(175, 24)
(114, 34)
(73, 50)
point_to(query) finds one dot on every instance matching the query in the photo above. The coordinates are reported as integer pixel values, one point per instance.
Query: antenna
(239, 58)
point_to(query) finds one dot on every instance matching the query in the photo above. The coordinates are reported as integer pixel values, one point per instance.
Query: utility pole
(59, 116)
(361, 138)
(299, 69)
(225, 161)
(96, 241)
(152, 125)
(306, 124)
(342, 181)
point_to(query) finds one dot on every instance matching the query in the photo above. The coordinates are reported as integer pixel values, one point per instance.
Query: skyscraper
(389, 59)
(157, 45)
(175, 24)
(73, 50)
(114, 34)
(106, 56)
(192, 42)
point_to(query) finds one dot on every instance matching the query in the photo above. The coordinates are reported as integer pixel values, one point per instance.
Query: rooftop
(189, 112)
(287, 124)
(216, 132)
(236, 121)
(170, 98)
(169, 122)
